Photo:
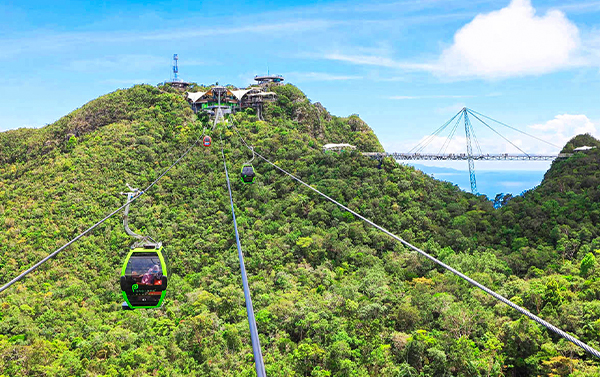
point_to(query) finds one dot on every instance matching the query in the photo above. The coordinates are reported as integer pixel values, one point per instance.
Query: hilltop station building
(234, 100)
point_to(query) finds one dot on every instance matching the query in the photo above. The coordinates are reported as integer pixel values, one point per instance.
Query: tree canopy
(332, 295)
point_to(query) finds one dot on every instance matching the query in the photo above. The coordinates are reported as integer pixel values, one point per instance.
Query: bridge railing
(464, 156)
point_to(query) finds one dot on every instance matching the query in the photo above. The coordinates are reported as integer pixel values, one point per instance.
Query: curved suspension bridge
(465, 157)
(463, 117)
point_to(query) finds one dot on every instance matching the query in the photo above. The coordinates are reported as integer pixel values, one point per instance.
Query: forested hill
(332, 296)
(559, 219)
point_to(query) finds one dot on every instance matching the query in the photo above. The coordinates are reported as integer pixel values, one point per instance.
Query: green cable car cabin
(247, 174)
(144, 276)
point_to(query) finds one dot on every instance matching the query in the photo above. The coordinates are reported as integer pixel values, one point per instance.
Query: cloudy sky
(405, 67)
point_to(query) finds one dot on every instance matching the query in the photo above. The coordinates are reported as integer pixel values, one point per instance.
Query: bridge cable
(53, 254)
(475, 138)
(450, 136)
(425, 142)
(497, 296)
(258, 358)
(513, 128)
(430, 138)
(499, 134)
(470, 125)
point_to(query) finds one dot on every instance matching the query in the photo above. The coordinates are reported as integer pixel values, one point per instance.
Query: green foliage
(332, 296)
(588, 263)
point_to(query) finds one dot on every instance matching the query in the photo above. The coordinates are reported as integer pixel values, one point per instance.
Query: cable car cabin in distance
(248, 174)
(206, 141)
(144, 277)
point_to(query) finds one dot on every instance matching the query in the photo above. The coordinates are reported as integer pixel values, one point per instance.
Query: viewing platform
(269, 79)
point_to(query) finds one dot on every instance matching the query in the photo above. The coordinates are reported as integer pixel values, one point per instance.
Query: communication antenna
(175, 80)
(175, 68)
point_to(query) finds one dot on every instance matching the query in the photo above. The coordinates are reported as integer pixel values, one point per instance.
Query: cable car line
(258, 358)
(54, 253)
(497, 296)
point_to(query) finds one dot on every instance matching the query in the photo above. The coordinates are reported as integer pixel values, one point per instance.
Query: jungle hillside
(332, 295)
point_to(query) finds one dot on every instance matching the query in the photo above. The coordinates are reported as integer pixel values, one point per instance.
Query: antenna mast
(175, 68)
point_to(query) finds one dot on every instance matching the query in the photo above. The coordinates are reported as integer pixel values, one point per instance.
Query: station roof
(195, 96)
(584, 148)
(338, 146)
(240, 93)
(265, 94)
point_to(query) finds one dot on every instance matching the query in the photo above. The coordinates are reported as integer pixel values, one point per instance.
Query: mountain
(560, 219)
(332, 295)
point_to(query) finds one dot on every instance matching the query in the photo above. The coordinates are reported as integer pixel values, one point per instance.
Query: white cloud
(431, 97)
(121, 62)
(318, 76)
(45, 40)
(128, 81)
(579, 7)
(564, 127)
(513, 41)
(379, 61)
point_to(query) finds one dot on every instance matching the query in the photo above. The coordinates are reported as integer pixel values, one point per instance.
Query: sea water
(489, 182)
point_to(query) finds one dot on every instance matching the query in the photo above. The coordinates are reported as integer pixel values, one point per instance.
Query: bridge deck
(463, 156)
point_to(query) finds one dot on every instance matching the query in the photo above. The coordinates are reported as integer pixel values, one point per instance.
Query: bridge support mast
(470, 152)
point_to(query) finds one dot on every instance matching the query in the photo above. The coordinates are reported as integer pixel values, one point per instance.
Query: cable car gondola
(248, 174)
(144, 276)
(144, 273)
(206, 141)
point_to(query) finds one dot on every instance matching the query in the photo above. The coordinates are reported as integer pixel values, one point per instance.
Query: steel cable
(53, 254)
(258, 358)
(450, 136)
(497, 296)
(424, 143)
(513, 128)
(498, 133)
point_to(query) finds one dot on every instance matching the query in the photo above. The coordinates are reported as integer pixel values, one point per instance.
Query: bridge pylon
(465, 115)
(468, 128)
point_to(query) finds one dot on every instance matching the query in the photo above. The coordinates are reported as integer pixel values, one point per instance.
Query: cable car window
(145, 270)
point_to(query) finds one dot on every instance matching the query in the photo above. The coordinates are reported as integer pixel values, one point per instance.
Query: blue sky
(404, 66)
